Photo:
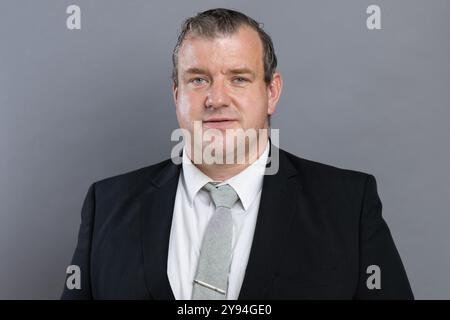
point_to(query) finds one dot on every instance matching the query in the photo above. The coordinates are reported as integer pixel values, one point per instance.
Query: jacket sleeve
(381, 272)
(81, 257)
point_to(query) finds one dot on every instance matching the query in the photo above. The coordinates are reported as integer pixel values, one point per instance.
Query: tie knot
(222, 196)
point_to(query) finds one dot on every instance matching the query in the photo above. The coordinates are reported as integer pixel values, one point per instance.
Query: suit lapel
(277, 205)
(157, 204)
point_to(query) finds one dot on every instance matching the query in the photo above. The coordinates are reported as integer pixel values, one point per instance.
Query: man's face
(221, 83)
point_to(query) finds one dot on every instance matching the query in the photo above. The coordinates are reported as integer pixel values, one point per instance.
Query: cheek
(190, 105)
(254, 107)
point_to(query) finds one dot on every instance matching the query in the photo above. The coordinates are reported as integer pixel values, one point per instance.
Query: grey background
(78, 106)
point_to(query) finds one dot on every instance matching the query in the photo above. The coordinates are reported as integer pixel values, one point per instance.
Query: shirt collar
(193, 178)
(247, 183)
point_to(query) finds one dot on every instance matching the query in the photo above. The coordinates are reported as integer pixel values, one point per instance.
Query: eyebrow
(232, 71)
(242, 71)
(195, 71)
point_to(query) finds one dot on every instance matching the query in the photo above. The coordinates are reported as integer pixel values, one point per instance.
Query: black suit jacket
(317, 231)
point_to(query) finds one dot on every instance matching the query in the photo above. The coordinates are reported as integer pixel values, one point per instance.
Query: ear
(274, 92)
(175, 93)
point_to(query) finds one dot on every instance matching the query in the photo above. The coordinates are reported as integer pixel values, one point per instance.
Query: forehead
(240, 49)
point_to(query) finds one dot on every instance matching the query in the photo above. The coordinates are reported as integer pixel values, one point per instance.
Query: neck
(222, 172)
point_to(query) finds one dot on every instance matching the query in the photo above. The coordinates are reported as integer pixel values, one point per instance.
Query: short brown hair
(214, 22)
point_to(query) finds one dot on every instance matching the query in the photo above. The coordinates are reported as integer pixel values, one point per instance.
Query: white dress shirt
(192, 211)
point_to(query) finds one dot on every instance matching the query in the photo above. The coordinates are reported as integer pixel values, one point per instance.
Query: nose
(217, 95)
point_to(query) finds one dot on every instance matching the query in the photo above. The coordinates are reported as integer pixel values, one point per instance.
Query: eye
(198, 81)
(240, 80)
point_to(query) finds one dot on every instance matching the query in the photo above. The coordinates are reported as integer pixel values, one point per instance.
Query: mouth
(219, 123)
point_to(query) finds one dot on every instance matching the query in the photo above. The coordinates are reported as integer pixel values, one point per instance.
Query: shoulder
(328, 178)
(131, 182)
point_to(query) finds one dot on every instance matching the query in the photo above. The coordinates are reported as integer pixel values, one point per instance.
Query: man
(226, 230)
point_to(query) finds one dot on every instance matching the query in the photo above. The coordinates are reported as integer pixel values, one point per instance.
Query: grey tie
(211, 279)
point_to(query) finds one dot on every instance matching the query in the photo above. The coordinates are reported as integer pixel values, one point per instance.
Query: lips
(218, 119)
(219, 123)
